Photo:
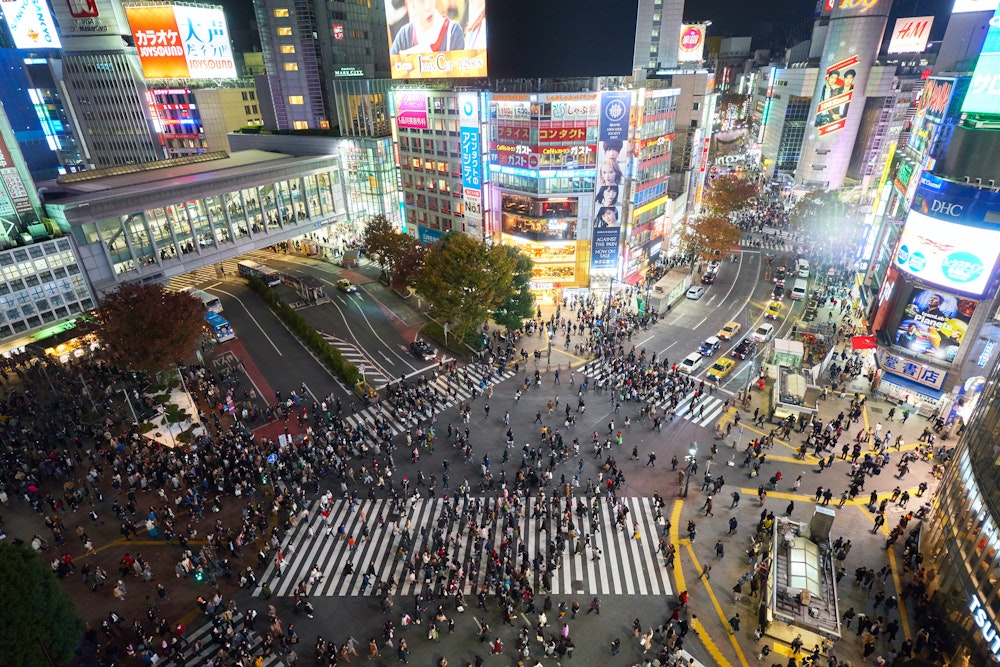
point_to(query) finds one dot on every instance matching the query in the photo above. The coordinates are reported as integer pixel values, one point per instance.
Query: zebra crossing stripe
(627, 565)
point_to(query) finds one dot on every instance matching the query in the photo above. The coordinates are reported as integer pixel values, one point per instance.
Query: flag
(863, 343)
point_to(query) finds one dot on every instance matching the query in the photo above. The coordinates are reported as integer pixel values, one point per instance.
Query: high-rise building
(310, 45)
(657, 35)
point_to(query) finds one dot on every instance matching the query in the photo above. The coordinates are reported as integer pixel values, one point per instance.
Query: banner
(411, 109)
(835, 97)
(612, 156)
(863, 343)
(934, 323)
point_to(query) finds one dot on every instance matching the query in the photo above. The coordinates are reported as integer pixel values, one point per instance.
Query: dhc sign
(986, 627)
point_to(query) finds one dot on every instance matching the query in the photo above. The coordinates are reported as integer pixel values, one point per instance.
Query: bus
(250, 269)
(218, 327)
(211, 303)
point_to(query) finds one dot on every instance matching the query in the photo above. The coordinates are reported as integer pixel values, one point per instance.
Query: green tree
(517, 306)
(728, 194)
(709, 237)
(465, 281)
(36, 612)
(405, 257)
(149, 327)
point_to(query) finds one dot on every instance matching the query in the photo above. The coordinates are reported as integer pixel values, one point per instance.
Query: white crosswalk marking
(707, 409)
(627, 566)
(373, 374)
(190, 657)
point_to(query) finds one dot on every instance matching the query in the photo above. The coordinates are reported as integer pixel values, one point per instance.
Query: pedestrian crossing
(211, 273)
(704, 412)
(374, 375)
(626, 566)
(448, 389)
(202, 648)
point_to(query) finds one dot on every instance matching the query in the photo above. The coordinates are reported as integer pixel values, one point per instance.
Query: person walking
(652, 460)
(732, 525)
(720, 549)
(734, 623)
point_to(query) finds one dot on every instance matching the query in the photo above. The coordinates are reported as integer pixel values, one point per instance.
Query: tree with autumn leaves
(709, 237)
(727, 195)
(150, 328)
(400, 255)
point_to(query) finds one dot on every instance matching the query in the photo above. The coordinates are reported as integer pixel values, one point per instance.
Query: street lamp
(692, 452)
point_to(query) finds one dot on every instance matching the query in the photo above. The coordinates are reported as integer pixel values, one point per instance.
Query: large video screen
(437, 39)
(934, 323)
(30, 24)
(182, 41)
(983, 95)
(953, 256)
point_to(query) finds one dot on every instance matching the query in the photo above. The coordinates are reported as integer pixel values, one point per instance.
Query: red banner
(863, 343)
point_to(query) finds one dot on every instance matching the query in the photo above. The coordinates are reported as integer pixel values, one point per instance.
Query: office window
(301, 125)
(288, 48)
(285, 31)
(281, 13)
(291, 67)
(296, 99)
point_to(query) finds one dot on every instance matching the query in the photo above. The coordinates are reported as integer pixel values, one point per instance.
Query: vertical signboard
(612, 154)
(411, 109)
(472, 152)
(931, 109)
(692, 43)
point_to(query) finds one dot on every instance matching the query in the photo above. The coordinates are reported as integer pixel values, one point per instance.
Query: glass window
(296, 99)
(284, 31)
(281, 12)
(288, 48)
(291, 67)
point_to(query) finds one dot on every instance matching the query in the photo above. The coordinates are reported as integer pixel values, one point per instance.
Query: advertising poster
(931, 109)
(692, 43)
(182, 42)
(411, 109)
(934, 323)
(612, 156)
(472, 153)
(30, 24)
(17, 197)
(911, 34)
(983, 95)
(436, 39)
(835, 97)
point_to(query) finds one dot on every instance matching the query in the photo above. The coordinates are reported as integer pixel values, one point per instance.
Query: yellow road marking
(709, 644)
(904, 620)
(675, 519)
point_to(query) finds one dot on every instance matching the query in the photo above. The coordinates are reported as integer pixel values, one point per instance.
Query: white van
(690, 363)
(799, 290)
(802, 268)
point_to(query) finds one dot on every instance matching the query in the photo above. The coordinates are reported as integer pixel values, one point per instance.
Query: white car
(696, 292)
(690, 363)
(764, 332)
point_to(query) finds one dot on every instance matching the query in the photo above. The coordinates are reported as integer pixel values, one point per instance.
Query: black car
(421, 350)
(708, 278)
(746, 348)
(777, 293)
(779, 274)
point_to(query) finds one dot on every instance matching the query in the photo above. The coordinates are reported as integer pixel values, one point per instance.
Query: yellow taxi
(721, 368)
(730, 330)
(773, 310)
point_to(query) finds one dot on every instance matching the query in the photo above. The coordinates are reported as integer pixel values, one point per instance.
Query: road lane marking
(243, 305)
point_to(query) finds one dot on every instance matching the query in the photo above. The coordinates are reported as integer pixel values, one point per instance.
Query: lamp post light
(692, 452)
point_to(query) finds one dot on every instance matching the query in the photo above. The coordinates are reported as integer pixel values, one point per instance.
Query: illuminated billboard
(932, 106)
(691, 47)
(911, 34)
(432, 39)
(612, 157)
(948, 254)
(983, 95)
(411, 109)
(836, 94)
(30, 24)
(933, 323)
(182, 41)
(966, 6)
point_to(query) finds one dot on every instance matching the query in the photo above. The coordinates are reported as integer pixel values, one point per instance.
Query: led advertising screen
(983, 95)
(437, 39)
(612, 154)
(692, 44)
(933, 323)
(30, 24)
(182, 41)
(911, 34)
(966, 6)
(932, 105)
(951, 255)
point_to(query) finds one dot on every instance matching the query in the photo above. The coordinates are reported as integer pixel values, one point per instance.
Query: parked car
(710, 346)
(773, 310)
(346, 286)
(729, 330)
(764, 332)
(690, 363)
(708, 278)
(421, 350)
(721, 368)
(714, 265)
(696, 292)
(746, 348)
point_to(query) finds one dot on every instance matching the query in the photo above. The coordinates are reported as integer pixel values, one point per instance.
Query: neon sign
(986, 627)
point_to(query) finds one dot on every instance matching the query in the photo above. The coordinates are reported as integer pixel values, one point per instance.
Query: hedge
(329, 355)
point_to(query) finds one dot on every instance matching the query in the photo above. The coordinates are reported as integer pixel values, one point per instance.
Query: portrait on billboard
(419, 30)
(835, 96)
(934, 323)
(607, 195)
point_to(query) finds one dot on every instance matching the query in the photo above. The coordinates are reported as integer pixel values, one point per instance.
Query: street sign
(272, 458)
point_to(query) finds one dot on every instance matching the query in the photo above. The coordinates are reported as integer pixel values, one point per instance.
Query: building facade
(194, 120)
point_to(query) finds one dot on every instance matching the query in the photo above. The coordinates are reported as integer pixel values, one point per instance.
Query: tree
(405, 257)
(377, 237)
(36, 612)
(465, 281)
(728, 194)
(709, 237)
(149, 327)
(517, 306)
